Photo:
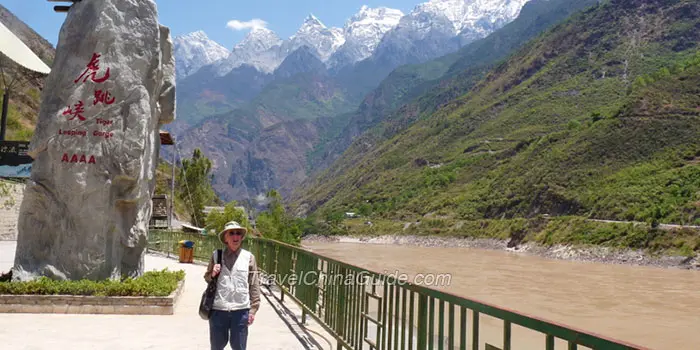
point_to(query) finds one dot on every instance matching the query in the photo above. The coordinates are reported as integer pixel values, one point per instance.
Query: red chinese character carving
(91, 71)
(103, 97)
(78, 112)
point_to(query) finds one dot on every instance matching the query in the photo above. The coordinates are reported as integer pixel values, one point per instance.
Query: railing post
(422, 333)
(341, 313)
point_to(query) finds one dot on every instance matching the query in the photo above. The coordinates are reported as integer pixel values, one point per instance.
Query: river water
(651, 307)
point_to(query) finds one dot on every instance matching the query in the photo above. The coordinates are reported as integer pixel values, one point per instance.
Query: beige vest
(232, 291)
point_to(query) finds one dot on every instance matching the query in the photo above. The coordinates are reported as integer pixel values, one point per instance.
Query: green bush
(275, 223)
(152, 283)
(217, 220)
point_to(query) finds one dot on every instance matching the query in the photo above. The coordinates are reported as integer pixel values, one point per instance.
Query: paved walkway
(183, 330)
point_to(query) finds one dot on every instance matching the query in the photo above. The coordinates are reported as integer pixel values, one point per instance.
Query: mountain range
(371, 29)
(265, 106)
(595, 117)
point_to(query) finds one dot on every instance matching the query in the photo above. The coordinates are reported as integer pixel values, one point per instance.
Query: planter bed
(128, 297)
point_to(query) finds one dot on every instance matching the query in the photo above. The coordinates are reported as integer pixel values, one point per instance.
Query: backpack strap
(218, 261)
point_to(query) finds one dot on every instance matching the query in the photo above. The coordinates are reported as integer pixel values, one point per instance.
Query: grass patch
(152, 283)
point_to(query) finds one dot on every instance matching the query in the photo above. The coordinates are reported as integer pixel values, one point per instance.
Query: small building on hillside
(162, 212)
(193, 229)
(208, 210)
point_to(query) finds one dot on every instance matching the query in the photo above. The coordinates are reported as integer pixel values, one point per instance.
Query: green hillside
(597, 118)
(303, 96)
(416, 90)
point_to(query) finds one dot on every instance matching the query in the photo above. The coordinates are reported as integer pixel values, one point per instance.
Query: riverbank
(584, 253)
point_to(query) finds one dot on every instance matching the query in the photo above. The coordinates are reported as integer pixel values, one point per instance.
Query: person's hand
(216, 270)
(251, 318)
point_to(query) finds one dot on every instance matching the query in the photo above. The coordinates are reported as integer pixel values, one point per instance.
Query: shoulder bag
(207, 302)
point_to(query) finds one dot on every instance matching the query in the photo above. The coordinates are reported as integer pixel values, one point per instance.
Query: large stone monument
(87, 205)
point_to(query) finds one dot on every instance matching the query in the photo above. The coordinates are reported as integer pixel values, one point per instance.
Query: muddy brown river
(651, 307)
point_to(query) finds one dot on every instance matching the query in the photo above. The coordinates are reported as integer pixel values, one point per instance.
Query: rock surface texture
(86, 209)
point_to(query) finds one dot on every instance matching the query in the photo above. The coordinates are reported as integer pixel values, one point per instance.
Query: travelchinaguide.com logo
(315, 278)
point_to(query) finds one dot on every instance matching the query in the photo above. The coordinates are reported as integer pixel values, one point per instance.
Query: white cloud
(253, 23)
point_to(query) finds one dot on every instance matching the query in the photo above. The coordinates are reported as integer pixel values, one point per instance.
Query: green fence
(368, 310)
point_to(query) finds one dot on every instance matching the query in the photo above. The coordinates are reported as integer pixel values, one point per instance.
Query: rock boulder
(87, 205)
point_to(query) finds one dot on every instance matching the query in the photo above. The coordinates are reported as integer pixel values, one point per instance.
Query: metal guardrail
(378, 311)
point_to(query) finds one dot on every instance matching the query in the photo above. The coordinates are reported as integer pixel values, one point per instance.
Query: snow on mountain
(439, 27)
(314, 34)
(194, 51)
(432, 28)
(260, 49)
(258, 40)
(265, 51)
(363, 32)
(478, 15)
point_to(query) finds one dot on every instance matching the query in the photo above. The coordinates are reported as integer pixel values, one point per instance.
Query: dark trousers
(225, 326)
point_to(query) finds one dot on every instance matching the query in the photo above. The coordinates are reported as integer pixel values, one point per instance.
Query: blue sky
(184, 16)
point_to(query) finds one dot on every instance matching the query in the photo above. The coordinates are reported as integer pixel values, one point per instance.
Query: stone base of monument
(78, 304)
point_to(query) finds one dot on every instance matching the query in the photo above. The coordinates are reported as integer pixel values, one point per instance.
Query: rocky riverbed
(575, 253)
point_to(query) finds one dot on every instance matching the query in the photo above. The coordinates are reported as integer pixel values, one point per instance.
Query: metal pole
(5, 105)
(172, 193)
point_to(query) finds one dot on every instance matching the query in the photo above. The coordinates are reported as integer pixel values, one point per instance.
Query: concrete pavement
(183, 330)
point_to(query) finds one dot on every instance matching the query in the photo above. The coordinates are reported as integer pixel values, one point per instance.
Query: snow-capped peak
(370, 16)
(464, 14)
(363, 32)
(195, 50)
(258, 40)
(198, 35)
(313, 21)
(260, 48)
(372, 22)
(314, 34)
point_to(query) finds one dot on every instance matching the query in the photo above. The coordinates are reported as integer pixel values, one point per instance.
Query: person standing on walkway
(237, 296)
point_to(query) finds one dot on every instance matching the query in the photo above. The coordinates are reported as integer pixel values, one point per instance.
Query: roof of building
(166, 138)
(13, 47)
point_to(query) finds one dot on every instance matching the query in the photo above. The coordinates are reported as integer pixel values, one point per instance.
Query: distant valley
(270, 107)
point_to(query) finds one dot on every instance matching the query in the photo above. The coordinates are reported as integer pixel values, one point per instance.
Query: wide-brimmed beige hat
(231, 226)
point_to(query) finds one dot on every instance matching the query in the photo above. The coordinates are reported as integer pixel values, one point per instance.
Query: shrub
(574, 124)
(152, 283)
(216, 220)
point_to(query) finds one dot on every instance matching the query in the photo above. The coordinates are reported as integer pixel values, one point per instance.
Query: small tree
(334, 218)
(194, 188)
(216, 220)
(274, 223)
